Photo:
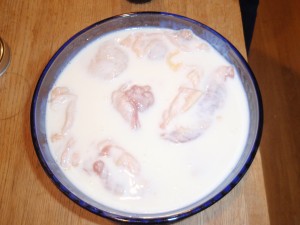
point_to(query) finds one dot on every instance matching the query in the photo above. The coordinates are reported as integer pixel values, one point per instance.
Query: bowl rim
(171, 216)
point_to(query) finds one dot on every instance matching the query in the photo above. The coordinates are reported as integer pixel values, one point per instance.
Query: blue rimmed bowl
(132, 20)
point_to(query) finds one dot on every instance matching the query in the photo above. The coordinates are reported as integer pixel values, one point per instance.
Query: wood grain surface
(275, 60)
(35, 30)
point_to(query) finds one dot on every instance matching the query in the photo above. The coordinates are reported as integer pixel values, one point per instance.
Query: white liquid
(175, 174)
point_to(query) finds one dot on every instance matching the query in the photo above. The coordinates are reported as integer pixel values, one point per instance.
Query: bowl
(131, 21)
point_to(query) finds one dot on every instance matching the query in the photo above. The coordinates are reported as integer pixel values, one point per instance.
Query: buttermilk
(147, 120)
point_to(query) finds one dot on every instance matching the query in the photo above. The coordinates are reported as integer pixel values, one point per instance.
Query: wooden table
(34, 30)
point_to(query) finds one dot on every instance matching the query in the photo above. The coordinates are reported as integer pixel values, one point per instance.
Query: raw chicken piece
(61, 98)
(119, 170)
(186, 97)
(109, 62)
(130, 101)
(69, 156)
(184, 100)
(171, 62)
(152, 46)
(186, 41)
(192, 111)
